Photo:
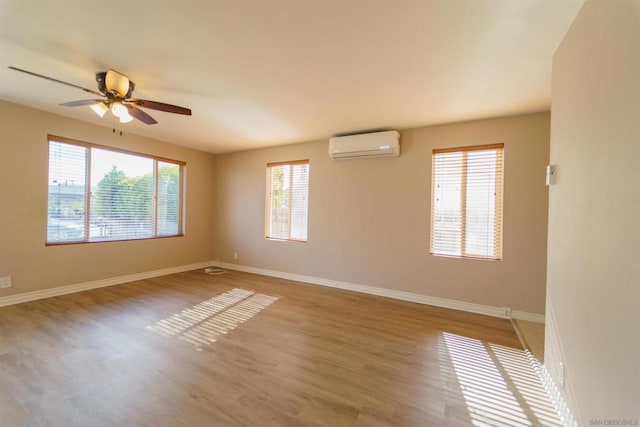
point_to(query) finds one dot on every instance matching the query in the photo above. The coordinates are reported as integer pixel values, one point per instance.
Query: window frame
(87, 215)
(268, 198)
(498, 208)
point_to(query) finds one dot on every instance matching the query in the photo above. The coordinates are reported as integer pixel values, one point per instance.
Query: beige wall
(369, 218)
(594, 214)
(23, 209)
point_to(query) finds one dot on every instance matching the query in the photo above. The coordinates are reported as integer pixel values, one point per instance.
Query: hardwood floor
(533, 336)
(192, 349)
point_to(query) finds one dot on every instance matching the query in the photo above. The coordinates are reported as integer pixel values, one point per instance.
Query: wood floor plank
(242, 349)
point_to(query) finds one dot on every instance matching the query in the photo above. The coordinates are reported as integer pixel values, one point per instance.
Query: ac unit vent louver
(374, 144)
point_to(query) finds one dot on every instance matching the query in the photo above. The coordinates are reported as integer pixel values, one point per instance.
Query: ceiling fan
(115, 90)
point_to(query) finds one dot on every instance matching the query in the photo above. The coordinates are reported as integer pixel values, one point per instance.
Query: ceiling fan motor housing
(100, 76)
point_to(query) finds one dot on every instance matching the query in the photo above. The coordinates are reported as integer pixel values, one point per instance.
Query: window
(466, 202)
(287, 194)
(99, 194)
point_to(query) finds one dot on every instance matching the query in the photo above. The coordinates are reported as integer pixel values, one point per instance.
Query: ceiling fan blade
(160, 106)
(56, 80)
(140, 115)
(81, 102)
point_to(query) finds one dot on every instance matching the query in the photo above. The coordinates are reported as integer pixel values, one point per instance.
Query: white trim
(78, 287)
(501, 312)
(528, 317)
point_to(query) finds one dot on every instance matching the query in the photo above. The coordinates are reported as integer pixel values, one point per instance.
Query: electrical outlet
(5, 282)
(235, 255)
(561, 374)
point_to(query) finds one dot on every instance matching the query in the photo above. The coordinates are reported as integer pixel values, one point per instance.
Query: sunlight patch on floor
(499, 384)
(203, 323)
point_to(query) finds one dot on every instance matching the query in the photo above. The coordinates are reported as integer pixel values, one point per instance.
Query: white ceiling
(261, 73)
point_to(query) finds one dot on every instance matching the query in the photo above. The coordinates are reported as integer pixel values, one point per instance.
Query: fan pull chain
(113, 126)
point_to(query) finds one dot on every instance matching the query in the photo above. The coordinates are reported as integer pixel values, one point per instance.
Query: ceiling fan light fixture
(119, 110)
(125, 118)
(100, 108)
(118, 83)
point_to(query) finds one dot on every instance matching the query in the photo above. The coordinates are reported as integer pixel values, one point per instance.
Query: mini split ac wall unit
(374, 144)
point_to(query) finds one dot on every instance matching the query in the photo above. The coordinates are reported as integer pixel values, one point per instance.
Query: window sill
(81, 242)
(477, 258)
(275, 239)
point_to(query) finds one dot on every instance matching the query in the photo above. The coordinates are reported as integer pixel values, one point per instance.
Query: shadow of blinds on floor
(499, 384)
(203, 323)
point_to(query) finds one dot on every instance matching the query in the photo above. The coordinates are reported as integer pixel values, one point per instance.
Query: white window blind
(100, 194)
(287, 200)
(466, 202)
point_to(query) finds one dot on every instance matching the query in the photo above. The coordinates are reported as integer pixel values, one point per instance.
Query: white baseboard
(78, 287)
(529, 317)
(372, 290)
(389, 293)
